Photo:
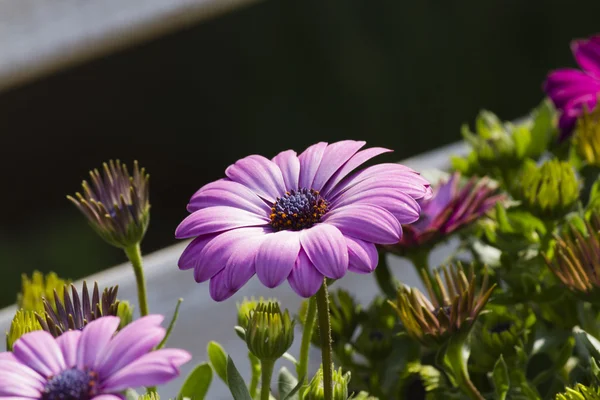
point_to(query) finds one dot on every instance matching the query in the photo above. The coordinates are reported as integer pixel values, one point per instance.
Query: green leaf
(286, 383)
(218, 359)
(587, 343)
(541, 130)
(197, 382)
(501, 379)
(236, 383)
(171, 325)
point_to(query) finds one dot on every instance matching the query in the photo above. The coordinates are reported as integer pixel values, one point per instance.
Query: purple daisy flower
(299, 218)
(572, 90)
(89, 364)
(450, 209)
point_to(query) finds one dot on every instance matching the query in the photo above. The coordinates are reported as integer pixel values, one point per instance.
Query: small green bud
(269, 332)
(580, 392)
(125, 313)
(246, 307)
(587, 137)
(340, 385)
(492, 141)
(550, 190)
(37, 288)
(149, 396)
(24, 322)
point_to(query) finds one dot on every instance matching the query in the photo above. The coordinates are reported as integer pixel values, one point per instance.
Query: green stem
(384, 278)
(325, 333)
(134, 254)
(455, 359)
(309, 326)
(266, 373)
(255, 378)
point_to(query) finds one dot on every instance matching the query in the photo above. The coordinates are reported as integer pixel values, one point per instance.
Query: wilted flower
(340, 385)
(571, 90)
(452, 312)
(587, 137)
(116, 204)
(88, 364)
(39, 287)
(550, 190)
(270, 332)
(450, 209)
(298, 218)
(23, 322)
(75, 312)
(576, 260)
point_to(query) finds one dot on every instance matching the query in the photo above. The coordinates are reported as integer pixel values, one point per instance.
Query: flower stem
(266, 373)
(455, 357)
(134, 254)
(325, 333)
(256, 372)
(384, 278)
(309, 325)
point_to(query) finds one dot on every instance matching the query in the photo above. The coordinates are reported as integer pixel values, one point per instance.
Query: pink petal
(259, 174)
(276, 257)
(94, 339)
(68, 343)
(152, 369)
(334, 156)
(304, 278)
(217, 219)
(132, 342)
(370, 223)
(357, 160)
(587, 54)
(289, 164)
(231, 194)
(39, 351)
(13, 384)
(363, 256)
(218, 289)
(191, 255)
(240, 266)
(310, 160)
(326, 248)
(401, 205)
(107, 397)
(23, 370)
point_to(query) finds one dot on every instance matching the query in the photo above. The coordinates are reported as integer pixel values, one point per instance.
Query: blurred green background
(277, 75)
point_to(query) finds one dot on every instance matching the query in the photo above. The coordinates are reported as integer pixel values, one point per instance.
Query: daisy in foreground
(89, 364)
(300, 218)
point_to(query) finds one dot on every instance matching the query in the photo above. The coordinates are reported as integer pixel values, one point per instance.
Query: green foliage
(197, 382)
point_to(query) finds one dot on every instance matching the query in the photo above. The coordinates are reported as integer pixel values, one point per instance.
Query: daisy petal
(401, 205)
(68, 343)
(259, 174)
(326, 248)
(310, 159)
(218, 289)
(334, 156)
(587, 54)
(190, 256)
(40, 351)
(240, 266)
(289, 164)
(366, 222)
(217, 219)
(93, 341)
(228, 193)
(363, 256)
(305, 279)
(276, 257)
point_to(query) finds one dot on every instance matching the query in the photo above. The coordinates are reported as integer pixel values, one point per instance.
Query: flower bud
(116, 204)
(550, 190)
(340, 386)
(150, 396)
(37, 288)
(245, 308)
(23, 322)
(270, 332)
(492, 141)
(587, 137)
(125, 313)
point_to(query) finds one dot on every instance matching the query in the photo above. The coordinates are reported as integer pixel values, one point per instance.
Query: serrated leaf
(197, 382)
(218, 359)
(236, 383)
(286, 382)
(500, 379)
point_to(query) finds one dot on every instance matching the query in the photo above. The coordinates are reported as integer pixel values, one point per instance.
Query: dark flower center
(297, 210)
(501, 327)
(71, 384)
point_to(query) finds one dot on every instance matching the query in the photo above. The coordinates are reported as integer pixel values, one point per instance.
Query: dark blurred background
(278, 75)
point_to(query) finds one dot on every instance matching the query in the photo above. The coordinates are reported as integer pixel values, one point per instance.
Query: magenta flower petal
(154, 368)
(215, 253)
(326, 248)
(8, 365)
(125, 347)
(68, 343)
(14, 384)
(218, 288)
(276, 257)
(217, 219)
(587, 54)
(40, 351)
(107, 397)
(94, 339)
(402, 206)
(240, 266)
(190, 257)
(356, 161)
(334, 156)
(305, 279)
(310, 160)
(289, 164)
(259, 174)
(366, 222)
(363, 256)
(228, 193)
